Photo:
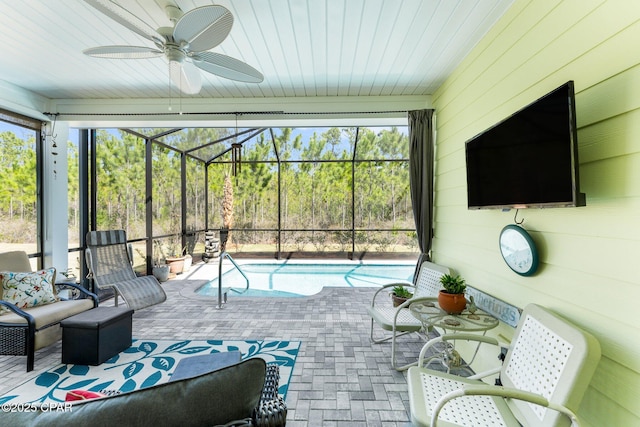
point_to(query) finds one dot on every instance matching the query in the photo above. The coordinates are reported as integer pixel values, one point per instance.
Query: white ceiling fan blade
(127, 19)
(185, 76)
(203, 28)
(123, 52)
(227, 67)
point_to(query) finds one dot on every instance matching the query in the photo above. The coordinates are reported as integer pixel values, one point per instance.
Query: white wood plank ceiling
(304, 48)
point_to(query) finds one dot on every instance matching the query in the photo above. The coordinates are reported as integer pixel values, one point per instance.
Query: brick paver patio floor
(340, 377)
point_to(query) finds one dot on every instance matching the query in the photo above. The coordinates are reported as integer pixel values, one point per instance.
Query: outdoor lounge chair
(399, 320)
(110, 266)
(547, 369)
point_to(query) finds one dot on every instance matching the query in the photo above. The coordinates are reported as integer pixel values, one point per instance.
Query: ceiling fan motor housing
(174, 53)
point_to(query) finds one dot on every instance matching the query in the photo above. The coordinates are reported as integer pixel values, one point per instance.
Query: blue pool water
(296, 280)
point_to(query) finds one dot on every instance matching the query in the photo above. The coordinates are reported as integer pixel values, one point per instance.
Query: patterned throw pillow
(26, 290)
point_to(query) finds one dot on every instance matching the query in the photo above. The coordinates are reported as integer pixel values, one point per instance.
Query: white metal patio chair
(547, 369)
(399, 320)
(110, 266)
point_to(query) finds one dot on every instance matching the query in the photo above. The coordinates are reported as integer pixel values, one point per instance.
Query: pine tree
(227, 210)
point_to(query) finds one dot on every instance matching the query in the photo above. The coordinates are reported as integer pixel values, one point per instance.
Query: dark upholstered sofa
(228, 396)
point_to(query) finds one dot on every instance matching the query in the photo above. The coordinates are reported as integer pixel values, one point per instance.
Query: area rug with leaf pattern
(145, 363)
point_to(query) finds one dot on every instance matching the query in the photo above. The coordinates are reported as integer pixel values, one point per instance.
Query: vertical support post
(353, 195)
(206, 196)
(279, 239)
(183, 202)
(43, 223)
(85, 147)
(148, 172)
(219, 306)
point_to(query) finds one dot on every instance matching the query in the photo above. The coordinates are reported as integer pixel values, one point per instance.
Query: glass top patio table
(430, 314)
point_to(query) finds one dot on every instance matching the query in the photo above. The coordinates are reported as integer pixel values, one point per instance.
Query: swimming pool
(303, 279)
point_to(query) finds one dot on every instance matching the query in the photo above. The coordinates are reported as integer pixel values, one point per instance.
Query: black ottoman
(93, 336)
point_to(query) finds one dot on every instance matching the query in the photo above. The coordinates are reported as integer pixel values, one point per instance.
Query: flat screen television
(529, 159)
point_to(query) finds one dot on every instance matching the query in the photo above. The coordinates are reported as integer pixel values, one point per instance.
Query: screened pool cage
(322, 191)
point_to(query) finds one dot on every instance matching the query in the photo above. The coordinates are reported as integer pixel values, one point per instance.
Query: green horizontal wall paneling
(585, 253)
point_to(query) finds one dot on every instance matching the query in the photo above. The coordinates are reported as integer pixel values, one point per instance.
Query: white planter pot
(188, 260)
(161, 273)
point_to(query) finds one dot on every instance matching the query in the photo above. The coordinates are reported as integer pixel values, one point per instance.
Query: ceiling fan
(185, 46)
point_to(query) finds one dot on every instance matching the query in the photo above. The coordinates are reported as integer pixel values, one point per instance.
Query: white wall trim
(276, 112)
(21, 101)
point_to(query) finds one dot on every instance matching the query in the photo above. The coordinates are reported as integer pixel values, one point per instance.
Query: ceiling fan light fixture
(185, 76)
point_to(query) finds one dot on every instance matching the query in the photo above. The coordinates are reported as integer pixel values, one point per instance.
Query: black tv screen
(530, 159)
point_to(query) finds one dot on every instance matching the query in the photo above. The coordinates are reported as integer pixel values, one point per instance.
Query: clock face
(518, 250)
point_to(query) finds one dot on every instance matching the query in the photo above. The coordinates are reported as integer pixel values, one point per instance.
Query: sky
(306, 132)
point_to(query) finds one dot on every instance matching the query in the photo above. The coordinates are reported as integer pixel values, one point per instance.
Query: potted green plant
(451, 299)
(176, 257)
(176, 263)
(399, 294)
(160, 271)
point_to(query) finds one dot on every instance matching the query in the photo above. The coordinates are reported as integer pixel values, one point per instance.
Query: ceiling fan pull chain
(170, 104)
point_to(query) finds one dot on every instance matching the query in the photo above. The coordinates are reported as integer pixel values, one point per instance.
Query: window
(20, 163)
(292, 189)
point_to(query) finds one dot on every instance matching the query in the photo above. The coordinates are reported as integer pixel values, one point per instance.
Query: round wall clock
(518, 250)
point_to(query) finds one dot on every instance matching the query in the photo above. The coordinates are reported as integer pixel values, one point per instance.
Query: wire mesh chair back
(428, 281)
(552, 358)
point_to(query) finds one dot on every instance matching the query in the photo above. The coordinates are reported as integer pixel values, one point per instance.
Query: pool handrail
(224, 255)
